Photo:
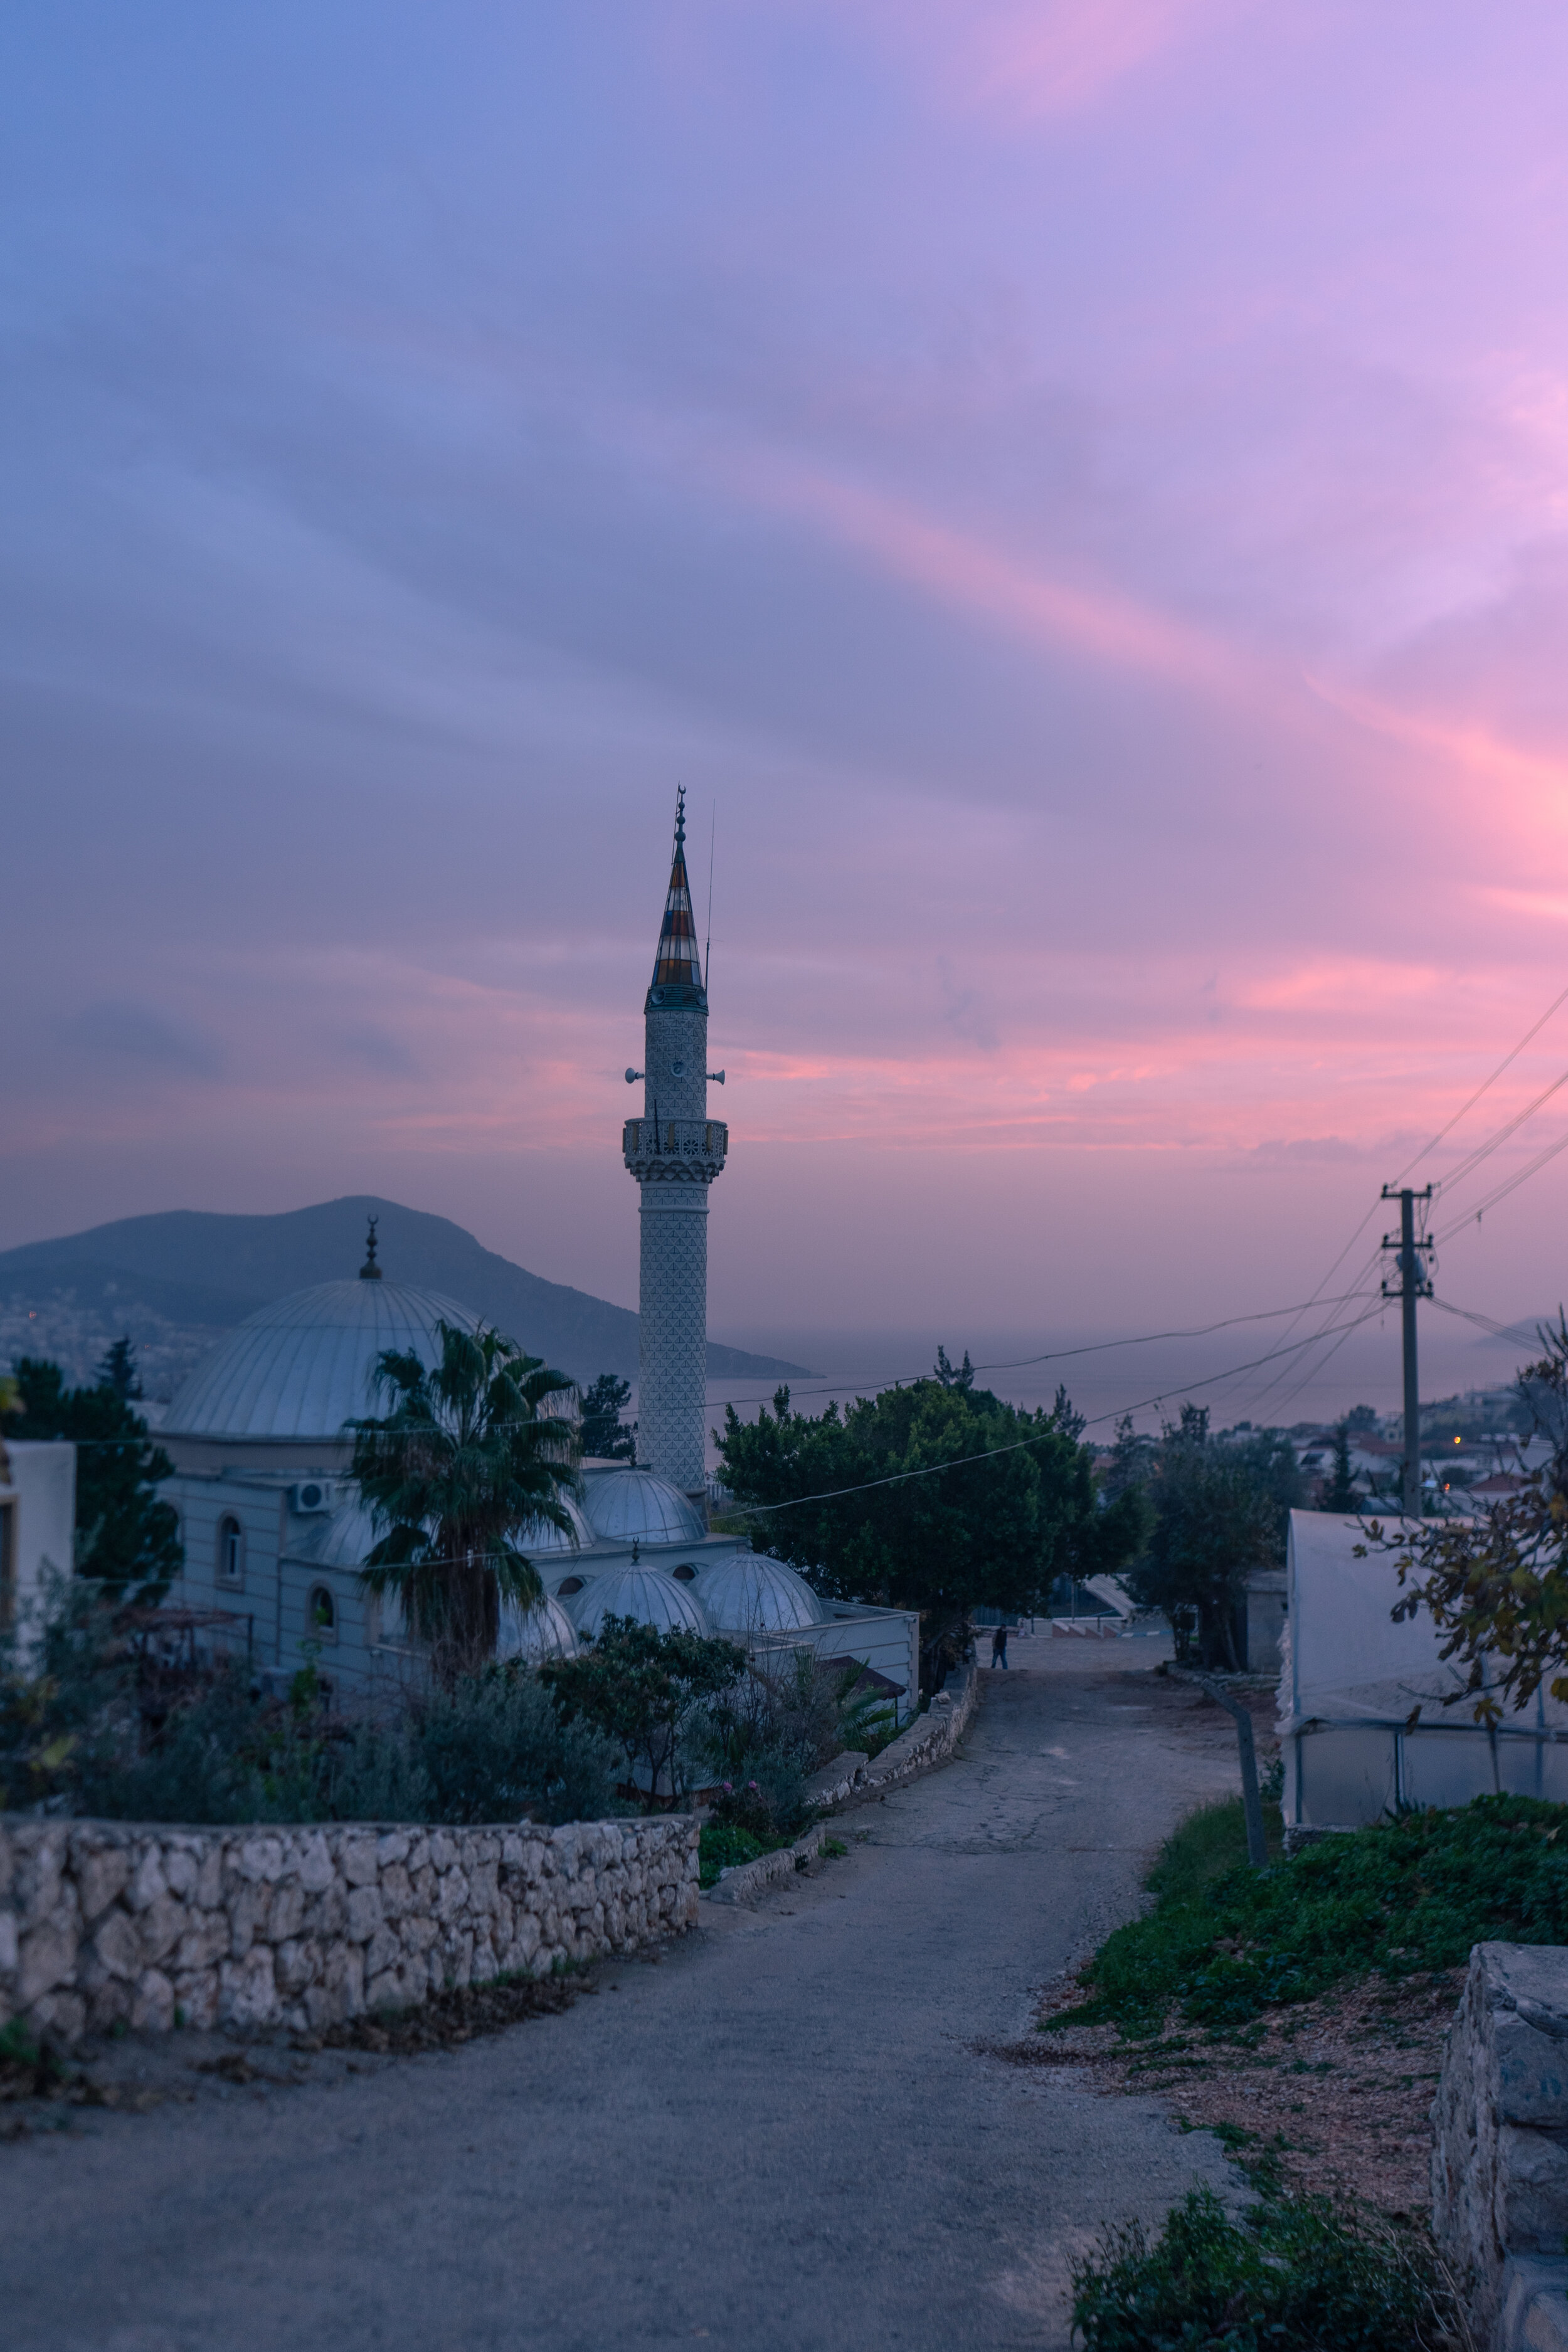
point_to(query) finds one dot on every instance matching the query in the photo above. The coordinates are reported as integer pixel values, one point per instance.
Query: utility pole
(1415, 1282)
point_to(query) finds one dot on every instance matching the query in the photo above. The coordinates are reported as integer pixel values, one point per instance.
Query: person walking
(999, 1646)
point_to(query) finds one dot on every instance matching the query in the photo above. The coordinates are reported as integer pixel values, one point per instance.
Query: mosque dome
(748, 1592)
(547, 1542)
(545, 1631)
(645, 1594)
(631, 1504)
(302, 1367)
(341, 1539)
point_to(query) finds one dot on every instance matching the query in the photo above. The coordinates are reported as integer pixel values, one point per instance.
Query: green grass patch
(1224, 1943)
(1286, 2277)
(723, 1845)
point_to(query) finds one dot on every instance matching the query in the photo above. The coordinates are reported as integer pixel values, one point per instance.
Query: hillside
(177, 1280)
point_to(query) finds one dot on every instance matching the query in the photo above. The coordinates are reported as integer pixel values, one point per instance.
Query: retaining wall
(851, 1779)
(1500, 2157)
(303, 1927)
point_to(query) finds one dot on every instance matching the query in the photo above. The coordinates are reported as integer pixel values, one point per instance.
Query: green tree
(1341, 1493)
(1496, 1581)
(935, 1497)
(604, 1433)
(118, 1371)
(125, 1535)
(465, 1465)
(644, 1688)
(1220, 1510)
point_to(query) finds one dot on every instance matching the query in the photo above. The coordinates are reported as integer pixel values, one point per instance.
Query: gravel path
(786, 2134)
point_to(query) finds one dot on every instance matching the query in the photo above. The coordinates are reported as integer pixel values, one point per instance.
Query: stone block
(117, 1947)
(197, 1998)
(317, 1870)
(209, 1879)
(443, 1851)
(260, 1860)
(153, 2006)
(418, 1931)
(383, 1951)
(397, 1890)
(326, 1914)
(364, 1913)
(358, 1863)
(45, 1958)
(247, 1908)
(204, 1943)
(393, 1848)
(285, 1913)
(248, 1994)
(296, 1965)
(9, 1940)
(147, 1882)
(182, 1869)
(162, 1924)
(101, 1872)
(1531, 2197)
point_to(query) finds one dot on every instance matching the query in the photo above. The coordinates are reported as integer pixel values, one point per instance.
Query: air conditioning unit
(309, 1497)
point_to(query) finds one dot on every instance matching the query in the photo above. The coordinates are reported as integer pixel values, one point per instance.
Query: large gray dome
(305, 1365)
(749, 1592)
(626, 1504)
(645, 1594)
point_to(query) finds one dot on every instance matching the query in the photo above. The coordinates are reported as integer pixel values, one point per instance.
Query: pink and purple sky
(1080, 488)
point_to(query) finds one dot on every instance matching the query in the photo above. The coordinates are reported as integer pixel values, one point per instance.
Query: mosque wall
(102, 1921)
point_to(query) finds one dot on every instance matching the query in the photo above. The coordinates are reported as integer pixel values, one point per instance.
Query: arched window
(321, 1615)
(569, 1584)
(230, 1552)
(685, 1573)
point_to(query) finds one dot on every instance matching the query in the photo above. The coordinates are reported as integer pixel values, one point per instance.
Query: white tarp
(1352, 1679)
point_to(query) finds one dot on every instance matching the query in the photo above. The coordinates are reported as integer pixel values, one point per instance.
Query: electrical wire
(1486, 1083)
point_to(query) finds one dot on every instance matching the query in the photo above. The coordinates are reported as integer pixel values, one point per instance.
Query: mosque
(273, 1527)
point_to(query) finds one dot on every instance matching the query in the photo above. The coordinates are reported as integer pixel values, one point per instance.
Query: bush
(721, 1846)
(1223, 1944)
(1286, 2277)
(495, 1747)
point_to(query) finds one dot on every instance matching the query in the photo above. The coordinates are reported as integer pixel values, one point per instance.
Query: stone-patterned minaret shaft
(674, 1150)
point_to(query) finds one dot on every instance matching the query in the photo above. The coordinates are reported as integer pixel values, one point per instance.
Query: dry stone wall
(303, 1927)
(1500, 2156)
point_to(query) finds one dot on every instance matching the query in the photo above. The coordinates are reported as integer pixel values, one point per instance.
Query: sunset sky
(1077, 489)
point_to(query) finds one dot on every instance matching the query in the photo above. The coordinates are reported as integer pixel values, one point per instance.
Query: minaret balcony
(674, 1150)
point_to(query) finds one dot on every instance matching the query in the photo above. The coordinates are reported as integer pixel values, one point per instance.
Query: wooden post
(1252, 1804)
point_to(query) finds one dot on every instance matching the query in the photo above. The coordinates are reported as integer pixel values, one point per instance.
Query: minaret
(674, 1150)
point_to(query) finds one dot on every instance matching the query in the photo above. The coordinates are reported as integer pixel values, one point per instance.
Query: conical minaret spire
(675, 1152)
(678, 965)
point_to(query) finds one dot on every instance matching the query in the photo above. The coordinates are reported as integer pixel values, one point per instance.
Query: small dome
(645, 1594)
(626, 1504)
(748, 1592)
(545, 1542)
(343, 1540)
(305, 1365)
(545, 1631)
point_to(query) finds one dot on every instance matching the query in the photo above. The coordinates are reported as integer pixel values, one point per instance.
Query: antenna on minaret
(708, 942)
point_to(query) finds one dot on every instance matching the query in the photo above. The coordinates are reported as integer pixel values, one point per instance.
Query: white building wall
(37, 1524)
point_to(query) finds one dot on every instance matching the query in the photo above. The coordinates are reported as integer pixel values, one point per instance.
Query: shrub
(494, 1747)
(1286, 2277)
(720, 1846)
(644, 1690)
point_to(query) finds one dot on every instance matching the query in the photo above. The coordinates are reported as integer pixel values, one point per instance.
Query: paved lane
(781, 2137)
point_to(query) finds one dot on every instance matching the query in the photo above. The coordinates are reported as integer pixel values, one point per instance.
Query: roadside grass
(723, 1845)
(1224, 1943)
(1285, 2276)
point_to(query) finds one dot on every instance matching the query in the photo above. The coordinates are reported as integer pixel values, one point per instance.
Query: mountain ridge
(206, 1269)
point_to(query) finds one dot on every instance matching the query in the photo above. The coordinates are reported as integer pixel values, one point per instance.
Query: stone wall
(1500, 2157)
(852, 1778)
(303, 1927)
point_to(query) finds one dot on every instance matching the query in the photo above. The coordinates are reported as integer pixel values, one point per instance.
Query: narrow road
(786, 2134)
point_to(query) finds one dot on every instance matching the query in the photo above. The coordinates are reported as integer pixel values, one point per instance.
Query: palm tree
(464, 1465)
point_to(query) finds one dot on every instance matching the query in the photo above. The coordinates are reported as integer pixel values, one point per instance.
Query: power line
(1482, 1088)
